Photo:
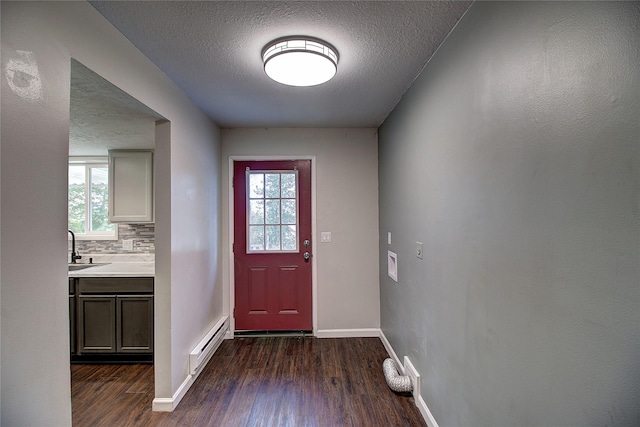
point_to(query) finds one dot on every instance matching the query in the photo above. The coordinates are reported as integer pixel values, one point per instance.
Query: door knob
(306, 255)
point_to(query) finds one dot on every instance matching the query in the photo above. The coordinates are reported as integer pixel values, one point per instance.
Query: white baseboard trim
(391, 352)
(426, 413)
(420, 403)
(162, 404)
(168, 404)
(348, 333)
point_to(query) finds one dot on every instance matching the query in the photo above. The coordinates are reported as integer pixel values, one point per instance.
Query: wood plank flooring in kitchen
(273, 381)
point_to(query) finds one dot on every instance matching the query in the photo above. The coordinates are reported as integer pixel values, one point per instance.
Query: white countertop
(134, 265)
(117, 269)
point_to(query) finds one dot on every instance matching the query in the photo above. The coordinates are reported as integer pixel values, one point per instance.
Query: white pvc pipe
(395, 381)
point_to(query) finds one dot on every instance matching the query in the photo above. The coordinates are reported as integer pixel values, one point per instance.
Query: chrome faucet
(74, 256)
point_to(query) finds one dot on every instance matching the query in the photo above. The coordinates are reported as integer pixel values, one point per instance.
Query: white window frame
(92, 162)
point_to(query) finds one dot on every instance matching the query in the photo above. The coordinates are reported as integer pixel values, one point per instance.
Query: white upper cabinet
(131, 186)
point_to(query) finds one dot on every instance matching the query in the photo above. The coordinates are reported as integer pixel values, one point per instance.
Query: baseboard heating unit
(201, 354)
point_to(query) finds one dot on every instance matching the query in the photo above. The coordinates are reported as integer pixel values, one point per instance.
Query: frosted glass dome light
(300, 61)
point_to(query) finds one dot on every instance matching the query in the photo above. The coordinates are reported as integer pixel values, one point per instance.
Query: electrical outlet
(411, 371)
(127, 245)
(419, 250)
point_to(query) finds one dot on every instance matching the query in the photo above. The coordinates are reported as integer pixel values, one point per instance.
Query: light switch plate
(127, 245)
(388, 238)
(325, 237)
(419, 250)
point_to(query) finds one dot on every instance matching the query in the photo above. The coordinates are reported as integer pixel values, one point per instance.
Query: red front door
(272, 245)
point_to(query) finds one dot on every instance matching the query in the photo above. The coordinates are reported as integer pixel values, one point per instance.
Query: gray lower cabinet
(113, 316)
(72, 323)
(96, 324)
(134, 324)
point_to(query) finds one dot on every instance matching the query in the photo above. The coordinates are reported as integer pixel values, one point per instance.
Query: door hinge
(234, 313)
(233, 248)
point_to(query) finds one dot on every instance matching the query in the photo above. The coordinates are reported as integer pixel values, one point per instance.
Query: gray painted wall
(515, 159)
(346, 160)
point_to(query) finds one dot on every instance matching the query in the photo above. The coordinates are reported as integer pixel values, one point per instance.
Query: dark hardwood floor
(274, 381)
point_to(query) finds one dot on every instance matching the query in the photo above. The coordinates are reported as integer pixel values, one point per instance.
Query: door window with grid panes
(272, 211)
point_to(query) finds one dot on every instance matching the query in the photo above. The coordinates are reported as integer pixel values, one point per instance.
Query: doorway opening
(102, 118)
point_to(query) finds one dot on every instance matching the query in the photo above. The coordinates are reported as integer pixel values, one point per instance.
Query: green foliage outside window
(77, 208)
(100, 208)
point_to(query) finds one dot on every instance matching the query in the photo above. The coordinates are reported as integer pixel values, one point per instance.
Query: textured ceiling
(211, 49)
(103, 117)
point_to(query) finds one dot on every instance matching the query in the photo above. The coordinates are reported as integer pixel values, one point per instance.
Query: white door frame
(314, 234)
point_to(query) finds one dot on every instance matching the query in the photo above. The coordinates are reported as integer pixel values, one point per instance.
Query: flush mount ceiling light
(300, 61)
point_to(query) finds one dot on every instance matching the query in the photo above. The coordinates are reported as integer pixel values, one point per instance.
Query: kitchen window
(88, 199)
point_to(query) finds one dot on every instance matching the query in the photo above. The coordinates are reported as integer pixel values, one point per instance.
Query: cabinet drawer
(115, 285)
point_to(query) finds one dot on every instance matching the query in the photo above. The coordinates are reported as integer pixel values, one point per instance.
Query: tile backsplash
(142, 235)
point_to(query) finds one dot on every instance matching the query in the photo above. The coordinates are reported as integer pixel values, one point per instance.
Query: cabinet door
(72, 315)
(134, 321)
(130, 186)
(72, 323)
(96, 320)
